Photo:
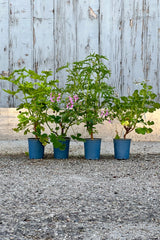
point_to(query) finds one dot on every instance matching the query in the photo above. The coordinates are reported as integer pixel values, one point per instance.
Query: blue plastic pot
(92, 148)
(36, 149)
(62, 154)
(121, 148)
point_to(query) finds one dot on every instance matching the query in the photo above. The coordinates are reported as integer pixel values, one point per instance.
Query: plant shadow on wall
(34, 90)
(130, 112)
(87, 79)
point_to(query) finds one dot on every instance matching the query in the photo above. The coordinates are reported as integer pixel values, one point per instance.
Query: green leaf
(143, 130)
(150, 123)
(78, 137)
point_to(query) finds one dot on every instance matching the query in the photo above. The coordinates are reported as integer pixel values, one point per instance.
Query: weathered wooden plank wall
(44, 35)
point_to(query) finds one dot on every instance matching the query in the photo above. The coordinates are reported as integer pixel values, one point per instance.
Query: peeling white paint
(44, 35)
(92, 14)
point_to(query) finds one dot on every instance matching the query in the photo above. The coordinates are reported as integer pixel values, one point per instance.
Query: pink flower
(102, 113)
(67, 106)
(71, 100)
(52, 98)
(106, 114)
(59, 97)
(75, 98)
(70, 104)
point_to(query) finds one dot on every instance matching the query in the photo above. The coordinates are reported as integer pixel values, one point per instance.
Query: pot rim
(122, 139)
(94, 139)
(33, 138)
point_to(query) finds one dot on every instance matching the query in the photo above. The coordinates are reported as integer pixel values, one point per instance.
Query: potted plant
(87, 79)
(130, 112)
(62, 117)
(33, 106)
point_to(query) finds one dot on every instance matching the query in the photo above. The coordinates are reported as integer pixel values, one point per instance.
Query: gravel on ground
(78, 199)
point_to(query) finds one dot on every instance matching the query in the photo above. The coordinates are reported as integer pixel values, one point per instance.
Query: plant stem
(92, 135)
(51, 129)
(62, 129)
(128, 130)
(35, 128)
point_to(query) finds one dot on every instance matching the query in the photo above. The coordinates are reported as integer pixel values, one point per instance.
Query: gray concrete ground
(78, 199)
(76, 148)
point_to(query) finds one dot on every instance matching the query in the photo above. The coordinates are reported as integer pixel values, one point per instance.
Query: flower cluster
(105, 114)
(70, 104)
(72, 101)
(54, 98)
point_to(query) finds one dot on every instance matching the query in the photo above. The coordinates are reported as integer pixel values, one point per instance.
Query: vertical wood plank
(43, 41)
(65, 35)
(135, 67)
(87, 28)
(116, 40)
(106, 44)
(4, 51)
(131, 40)
(20, 36)
(151, 53)
(105, 35)
(4, 36)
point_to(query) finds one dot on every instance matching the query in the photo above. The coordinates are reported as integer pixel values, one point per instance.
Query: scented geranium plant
(130, 111)
(87, 79)
(33, 90)
(63, 116)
